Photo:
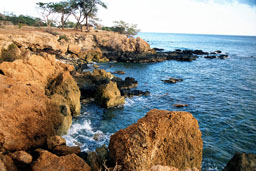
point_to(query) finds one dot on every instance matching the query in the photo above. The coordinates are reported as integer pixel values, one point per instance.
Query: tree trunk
(86, 22)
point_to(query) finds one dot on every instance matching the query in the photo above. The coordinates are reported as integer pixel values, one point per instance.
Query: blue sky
(230, 17)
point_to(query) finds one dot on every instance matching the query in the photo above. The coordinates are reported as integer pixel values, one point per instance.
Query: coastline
(98, 76)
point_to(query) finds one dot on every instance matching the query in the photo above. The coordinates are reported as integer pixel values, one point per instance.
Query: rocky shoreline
(42, 82)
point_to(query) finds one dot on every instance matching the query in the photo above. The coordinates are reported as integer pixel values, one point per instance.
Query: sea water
(221, 95)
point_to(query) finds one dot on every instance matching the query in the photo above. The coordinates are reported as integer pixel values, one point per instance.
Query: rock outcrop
(242, 162)
(160, 138)
(31, 110)
(49, 161)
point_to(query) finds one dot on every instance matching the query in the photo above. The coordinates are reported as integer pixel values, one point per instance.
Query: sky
(226, 17)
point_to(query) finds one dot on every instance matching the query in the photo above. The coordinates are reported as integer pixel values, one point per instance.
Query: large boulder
(160, 138)
(49, 161)
(27, 117)
(242, 162)
(38, 98)
(108, 95)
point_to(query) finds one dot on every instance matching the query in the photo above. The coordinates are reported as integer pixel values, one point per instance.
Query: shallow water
(221, 95)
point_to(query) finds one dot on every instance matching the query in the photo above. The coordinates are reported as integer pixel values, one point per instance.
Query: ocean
(221, 95)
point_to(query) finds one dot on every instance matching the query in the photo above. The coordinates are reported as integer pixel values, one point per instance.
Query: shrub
(63, 37)
(10, 54)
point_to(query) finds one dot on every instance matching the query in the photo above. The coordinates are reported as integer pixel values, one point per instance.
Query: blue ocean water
(221, 95)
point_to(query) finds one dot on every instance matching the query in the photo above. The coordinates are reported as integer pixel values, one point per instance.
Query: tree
(47, 11)
(77, 12)
(64, 9)
(87, 9)
(126, 28)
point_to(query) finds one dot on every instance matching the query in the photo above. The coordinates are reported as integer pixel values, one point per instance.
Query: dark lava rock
(218, 51)
(242, 162)
(158, 49)
(128, 83)
(222, 56)
(172, 80)
(180, 105)
(210, 57)
(200, 52)
(131, 93)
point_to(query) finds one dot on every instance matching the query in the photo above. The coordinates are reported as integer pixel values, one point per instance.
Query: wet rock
(102, 153)
(218, 51)
(98, 136)
(160, 138)
(22, 156)
(131, 93)
(119, 72)
(222, 56)
(49, 161)
(109, 96)
(172, 80)
(180, 105)
(200, 52)
(93, 161)
(158, 49)
(127, 83)
(242, 162)
(210, 56)
(63, 150)
(54, 141)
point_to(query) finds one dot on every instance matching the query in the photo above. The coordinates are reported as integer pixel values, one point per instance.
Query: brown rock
(163, 168)
(242, 162)
(141, 45)
(63, 150)
(160, 138)
(51, 162)
(109, 96)
(180, 105)
(22, 156)
(54, 141)
(28, 116)
(74, 48)
(6, 163)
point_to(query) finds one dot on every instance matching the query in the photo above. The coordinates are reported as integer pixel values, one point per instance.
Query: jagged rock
(6, 163)
(127, 83)
(173, 80)
(49, 161)
(22, 156)
(158, 49)
(242, 162)
(108, 95)
(93, 161)
(63, 150)
(75, 49)
(160, 138)
(28, 116)
(54, 141)
(102, 153)
(131, 93)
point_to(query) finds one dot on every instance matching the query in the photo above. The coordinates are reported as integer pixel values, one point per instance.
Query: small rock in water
(173, 80)
(180, 105)
(119, 72)
(218, 51)
(98, 136)
(223, 56)
(210, 57)
(158, 49)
